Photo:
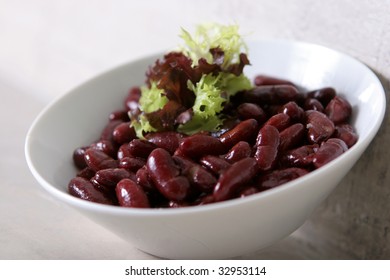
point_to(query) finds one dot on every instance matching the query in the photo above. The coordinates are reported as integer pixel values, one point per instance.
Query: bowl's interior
(77, 118)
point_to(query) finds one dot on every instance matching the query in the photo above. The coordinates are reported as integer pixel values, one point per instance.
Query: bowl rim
(359, 148)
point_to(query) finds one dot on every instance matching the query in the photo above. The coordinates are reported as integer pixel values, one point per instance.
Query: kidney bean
(119, 115)
(106, 147)
(205, 199)
(278, 94)
(86, 173)
(313, 104)
(338, 110)
(111, 176)
(131, 164)
(199, 177)
(244, 131)
(123, 133)
(295, 112)
(141, 148)
(215, 164)
(268, 141)
(132, 99)
(240, 173)
(166, 175)
(124, 151)
(247, 191)
(277, 177)
(143, 179)
(130, 194)
(82, 188)
(247, 111)
(346, 133)
(98, 160)
(324, 95)
(78, 157)
(107, 133)
(265, 80)
(319, 126)
(291, 137)
(328, 151)
(300, 157)
(197, 145)
(239, 151)
(280, 121)
(167, 140)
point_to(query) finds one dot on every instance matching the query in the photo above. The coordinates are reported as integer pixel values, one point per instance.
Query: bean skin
(106, 147)
(295, 112)
(319, 126)
(292, 136)
(313, 104)
(346, 133)
(131, 163)
(82, 188)
(140, 148)
(111, 176)
(239, 174)
(214, 164)
(130, 194)
(119, 115)
(244, 131)
(165, 175)
(247, 191)
(271, 94)
(338, 110)
(86, 173)
(324, 95)
(247, 111)
(280, 121)
(299, 157)
(98, 160)
(78, 157)
(268, 136)
(277, 177)
(107, 133)
(167, 140)
(197, 145)
(123, 133)
(132, 99)
(328, 151)
(143, 179)
(268, 141)
(239, 151)
(265, 80)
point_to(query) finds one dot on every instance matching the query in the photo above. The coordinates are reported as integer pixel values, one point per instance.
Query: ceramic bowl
(221, 230)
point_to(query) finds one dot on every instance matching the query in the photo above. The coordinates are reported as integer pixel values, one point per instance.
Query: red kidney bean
(141, 148)
(167, 140)
(313, 104)
(239, 151)
(131, 164)
(292, 136)
(205, 199)
(123, 133)
(106, 147)
(124, 151)
(197, 145)
(131, 195)
(280, 121)
(86, 173)
(215, 164)
(111, 176)
(328, 151)
(82, 188)
(268, 141)
(300, 157)
(278, 94)
(319, 126)
(265, 80)
(244, 131)
(98, 160)
(247, 111)
(132, 99)
(143, 179)
(119, 115)
(166, 175)
(78, 157)
(324, 95)
(109, 129)
(199, 177)
(240, 173)
(277, 177)
(295, 112)
(346, 133)
(338, 110)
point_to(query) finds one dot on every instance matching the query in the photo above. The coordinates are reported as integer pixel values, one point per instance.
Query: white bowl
(225, 229)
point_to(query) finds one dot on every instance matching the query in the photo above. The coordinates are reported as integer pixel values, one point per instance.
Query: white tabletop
(48, 47)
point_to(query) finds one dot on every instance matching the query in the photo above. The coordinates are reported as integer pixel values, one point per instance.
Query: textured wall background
(48, 47)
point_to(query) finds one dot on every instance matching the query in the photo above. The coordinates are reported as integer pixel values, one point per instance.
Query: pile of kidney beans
(274, 134)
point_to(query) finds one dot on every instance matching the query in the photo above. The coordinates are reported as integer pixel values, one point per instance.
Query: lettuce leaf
(152, 99)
